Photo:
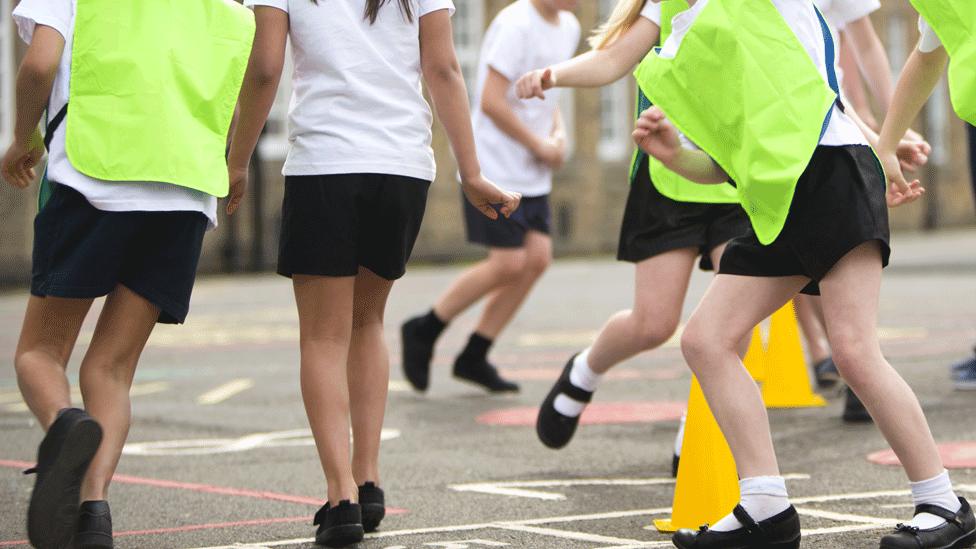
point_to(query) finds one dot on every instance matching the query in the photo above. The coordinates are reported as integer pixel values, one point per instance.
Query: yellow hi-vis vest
(744, 89)
(665, 181)
(954, 21)
(153, 89)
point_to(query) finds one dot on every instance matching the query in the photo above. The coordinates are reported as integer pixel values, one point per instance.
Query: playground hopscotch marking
(225, 391)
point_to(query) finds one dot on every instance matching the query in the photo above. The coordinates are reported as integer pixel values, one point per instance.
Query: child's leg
(369, 373)
(850, 300)
(501, 266)
(506, 300)
(51, 326)
(325, 308)
(124, 325)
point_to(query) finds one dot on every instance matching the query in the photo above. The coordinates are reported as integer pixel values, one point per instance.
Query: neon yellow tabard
(744, 89)
(153, 89)
(665, 181)
(954, 21)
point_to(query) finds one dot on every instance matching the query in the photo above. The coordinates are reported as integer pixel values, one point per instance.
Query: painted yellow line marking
(225, 391)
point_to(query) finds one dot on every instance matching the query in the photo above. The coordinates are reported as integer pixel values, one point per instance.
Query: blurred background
(589, 193)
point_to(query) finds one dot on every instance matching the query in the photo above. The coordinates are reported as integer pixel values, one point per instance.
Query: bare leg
(106, 375)
(51, 326)
(716, 255)
(660, 287)
(506, 300)
(368, 373)
(325, 310)
(850, 299)
(730, 309)
(501, 266)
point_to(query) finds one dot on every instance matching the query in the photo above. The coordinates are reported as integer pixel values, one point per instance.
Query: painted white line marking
(399, 386)
(566, 534)
(225, 391)
(465, 544)
(845, 517)
(210, 446)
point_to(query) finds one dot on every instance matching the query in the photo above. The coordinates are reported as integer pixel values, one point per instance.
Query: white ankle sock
(935, 491)
(679, 439)
(583, 377)
(761, 497)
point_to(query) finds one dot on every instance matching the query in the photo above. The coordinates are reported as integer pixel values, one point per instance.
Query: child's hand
(18, 164)
(657, 136)
(551, 152)
(238, 187)
(900, 191)
(485, 195)
(535, 83)
(913, 154)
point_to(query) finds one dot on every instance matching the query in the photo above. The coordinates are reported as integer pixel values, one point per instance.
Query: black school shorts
(331, 225)
(654, 224)
(83, 252)
(839, 204)
(533, 214)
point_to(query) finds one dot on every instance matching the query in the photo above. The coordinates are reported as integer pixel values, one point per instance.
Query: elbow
(446, 71)
(36, 73)
(265, 75)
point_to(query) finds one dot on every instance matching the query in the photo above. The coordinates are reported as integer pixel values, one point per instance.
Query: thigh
(370, 296)
(661, 284)
(390, 214)
(124, 326)
(850, 294)
(538, 247)
(51, 326)
(325, 307)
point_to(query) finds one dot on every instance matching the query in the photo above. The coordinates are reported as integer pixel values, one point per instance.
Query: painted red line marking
(955, 455)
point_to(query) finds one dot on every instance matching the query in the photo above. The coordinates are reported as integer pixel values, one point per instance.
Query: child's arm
(494, 104)
(442, 74)
(34, 83)
(872, 59)
(558, 133)
(656, 136)
(595, 67)
(256, 97)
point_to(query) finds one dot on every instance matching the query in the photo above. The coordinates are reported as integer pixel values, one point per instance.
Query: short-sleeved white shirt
(357, 104)
(839, 13)
(114, 196)
(929, 42)
(802, 18)
(652, 12)
(518, 41)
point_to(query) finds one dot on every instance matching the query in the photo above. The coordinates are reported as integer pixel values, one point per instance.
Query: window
(616, 105)
(6, 74)
(469, 25)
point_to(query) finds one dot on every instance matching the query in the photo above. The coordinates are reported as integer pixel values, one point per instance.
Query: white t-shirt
(357, 105)
(802, 19)
(929, 42)
(652, 12)
(519, 40)
(839, 13)
(110, 196)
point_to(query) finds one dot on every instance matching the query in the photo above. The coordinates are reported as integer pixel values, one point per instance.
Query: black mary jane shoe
(779, 532)
(339, 526)
(554, 429)
(957, 532)
(373, 502)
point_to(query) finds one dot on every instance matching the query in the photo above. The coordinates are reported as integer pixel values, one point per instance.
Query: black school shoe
(959, 530)
(373, 502)
(481, 372)
(94, 526)
(826, 373)
(779, 532)
(554, 429)
(339, 526)
(62, 460)
(854, 410)
(417, 352)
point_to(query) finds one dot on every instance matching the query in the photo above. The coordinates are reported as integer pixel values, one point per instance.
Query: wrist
(468, 177)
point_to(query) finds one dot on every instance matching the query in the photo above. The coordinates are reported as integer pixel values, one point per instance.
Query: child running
(123, 214)
(356, 180)
(520, 145)
(815, 194)
(667, 227)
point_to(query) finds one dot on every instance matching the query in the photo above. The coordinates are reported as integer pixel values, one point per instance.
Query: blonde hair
(624, 15)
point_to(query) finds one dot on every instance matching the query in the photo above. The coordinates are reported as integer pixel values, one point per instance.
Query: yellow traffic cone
(755, 356)
(707, 487)
(787, 383)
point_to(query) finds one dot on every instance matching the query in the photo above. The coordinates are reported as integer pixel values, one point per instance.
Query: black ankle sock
(477, 347)
(430, 326)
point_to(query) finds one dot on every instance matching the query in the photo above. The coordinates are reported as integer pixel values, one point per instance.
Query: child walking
(123, 215)
(815, 194)
(520, 144)
(668, 225)
(356, 180)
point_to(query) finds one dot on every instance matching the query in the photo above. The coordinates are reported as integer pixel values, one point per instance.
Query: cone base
(665, 526)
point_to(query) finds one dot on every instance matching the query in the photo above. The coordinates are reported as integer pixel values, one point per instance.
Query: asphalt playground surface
(220, 454)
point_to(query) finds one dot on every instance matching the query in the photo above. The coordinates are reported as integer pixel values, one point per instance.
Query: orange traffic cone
(756, 356)
(786, 383)
(707, 487)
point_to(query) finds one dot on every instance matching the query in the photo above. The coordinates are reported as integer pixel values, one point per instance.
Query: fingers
(488, 211)
(233, 203)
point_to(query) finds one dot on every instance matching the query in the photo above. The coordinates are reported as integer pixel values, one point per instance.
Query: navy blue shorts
(533, 214)
(83, 252)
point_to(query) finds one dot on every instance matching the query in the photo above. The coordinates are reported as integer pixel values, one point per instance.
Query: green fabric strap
(954, 21)
(153, 89)
(744, 89)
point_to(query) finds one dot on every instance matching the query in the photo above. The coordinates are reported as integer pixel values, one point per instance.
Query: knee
(702, 346)
(654, 331)
(510, 266)
(537, 264)
(854, 358)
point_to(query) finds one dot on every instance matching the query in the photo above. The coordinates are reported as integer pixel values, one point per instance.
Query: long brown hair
(372, 10)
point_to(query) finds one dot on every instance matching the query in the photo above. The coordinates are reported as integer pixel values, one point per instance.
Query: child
(520, 145)
(816, 199)
(922, 71)
(126, 217)
(356, 181)
(662, 234)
